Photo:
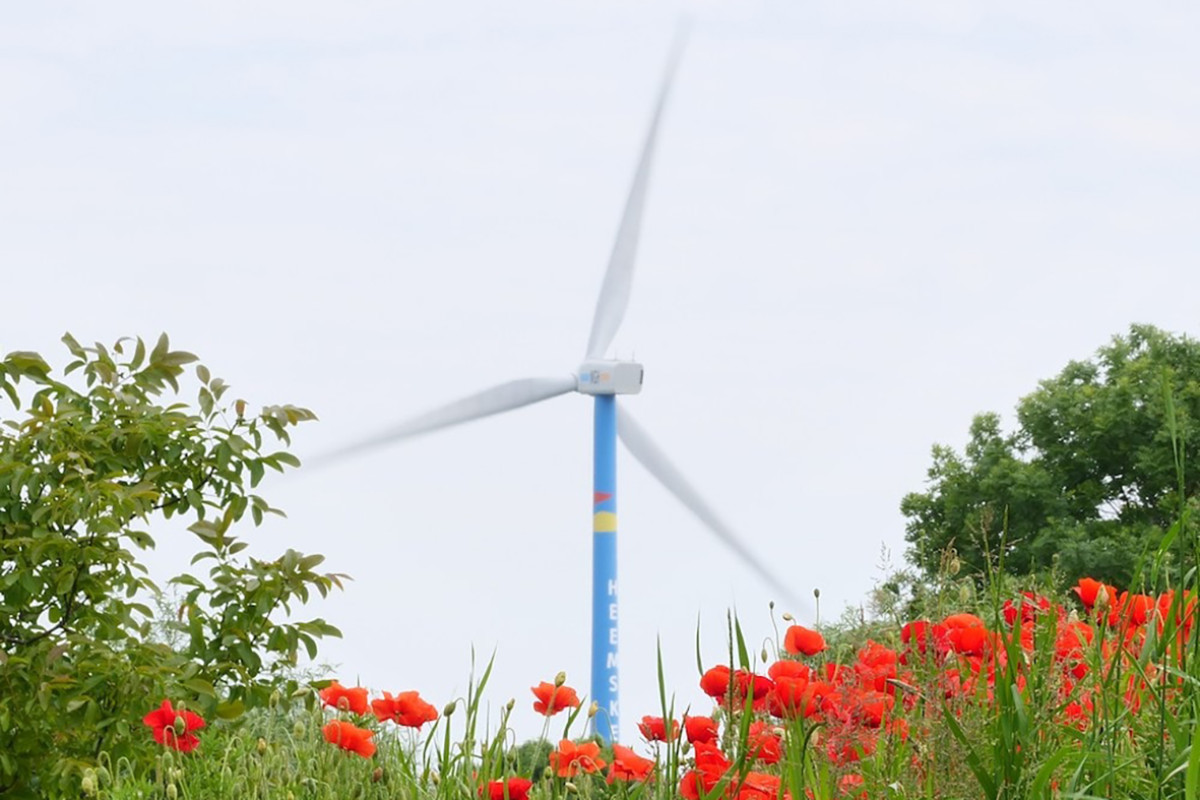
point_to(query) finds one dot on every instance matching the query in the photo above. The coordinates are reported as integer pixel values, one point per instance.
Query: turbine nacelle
(600, 376)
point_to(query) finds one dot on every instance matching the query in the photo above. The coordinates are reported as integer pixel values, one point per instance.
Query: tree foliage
(84, 471)
(1097, 471)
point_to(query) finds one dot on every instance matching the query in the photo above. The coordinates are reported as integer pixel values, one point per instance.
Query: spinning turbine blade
(657, 464)
(495, 400)
(618, 280)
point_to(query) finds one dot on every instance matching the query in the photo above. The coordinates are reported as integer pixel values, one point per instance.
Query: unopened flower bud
(592, 709)
(180, 725)
(377, 775)
(817, 594)
(509, 705)
(787, 617)
(176, 774)
(560, 679)
(172, 792)
(572, 788)
(261, 746)
(88, 784)
(275, 699)
(298, 729)
(433, 776)
(449, 709)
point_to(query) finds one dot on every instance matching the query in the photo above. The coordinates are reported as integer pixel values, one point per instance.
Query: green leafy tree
(1087, 484)
(86, 465)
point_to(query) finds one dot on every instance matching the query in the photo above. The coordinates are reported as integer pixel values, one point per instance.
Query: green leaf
(231, 709)
(200, 687)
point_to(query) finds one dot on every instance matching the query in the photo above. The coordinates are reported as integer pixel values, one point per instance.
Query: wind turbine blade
(657, 464)
(496, 400)
(618, 279)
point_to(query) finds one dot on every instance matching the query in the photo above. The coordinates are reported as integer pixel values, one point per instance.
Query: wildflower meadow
(987, 686)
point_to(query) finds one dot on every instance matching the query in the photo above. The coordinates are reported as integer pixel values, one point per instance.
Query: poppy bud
(433, 776)
(274, 699)
(377, 775)
(298, 729)
(261, 746)
(572, 788)
(592, 709)
(88, 784)
(560, 679)
(180, 725)
(449, 709)
(509, 705)
(764, 654)
(172, 792)
(817, 594)
(787, 617)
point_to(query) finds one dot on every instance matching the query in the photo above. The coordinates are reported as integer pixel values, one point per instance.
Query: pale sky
(867, 223)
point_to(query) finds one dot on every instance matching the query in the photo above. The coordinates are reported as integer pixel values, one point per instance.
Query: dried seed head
(787, 617)
(817, 593)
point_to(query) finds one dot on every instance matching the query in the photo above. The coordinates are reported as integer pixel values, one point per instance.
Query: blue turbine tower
(604, 379)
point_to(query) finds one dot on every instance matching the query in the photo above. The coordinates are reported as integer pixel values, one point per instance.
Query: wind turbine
(603, 379)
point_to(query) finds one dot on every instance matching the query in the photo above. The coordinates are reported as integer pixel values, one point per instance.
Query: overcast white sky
(867, 223)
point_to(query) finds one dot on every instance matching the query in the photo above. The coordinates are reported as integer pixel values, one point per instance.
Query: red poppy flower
(700, 729)
(510, 788)
(800, 639)
(406, 708)
(749, 685)
(174, 728)
(763, 743)
(552, 699)
(1090, 591)
(337, 696)
(656, 729)
(350, 738)
(711, 765)
(715, 682)
(570, 759)
(628, 765)
(759, 786)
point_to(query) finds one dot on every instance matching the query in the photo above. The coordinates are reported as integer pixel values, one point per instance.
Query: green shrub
(84, 470)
